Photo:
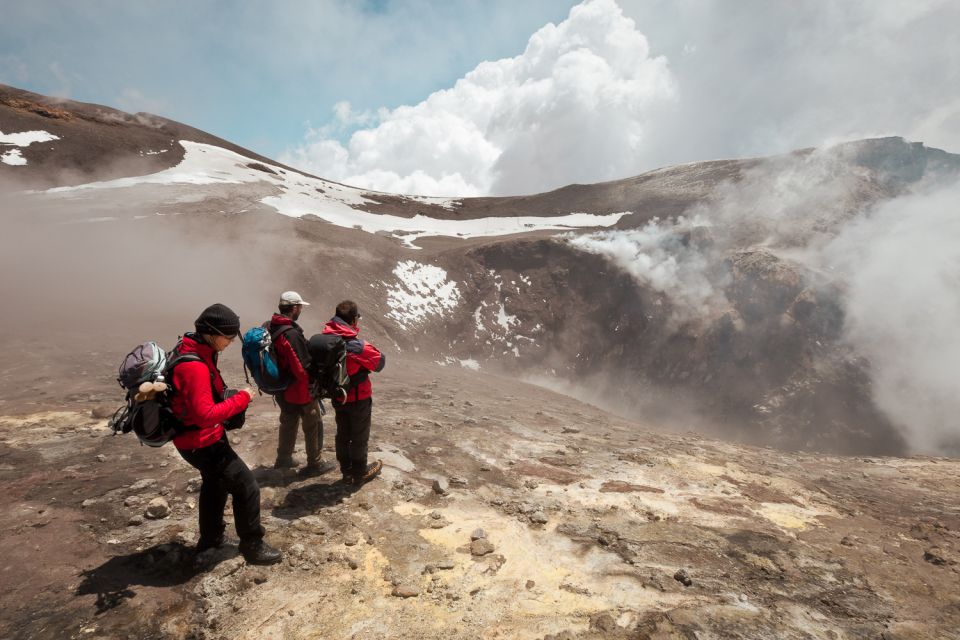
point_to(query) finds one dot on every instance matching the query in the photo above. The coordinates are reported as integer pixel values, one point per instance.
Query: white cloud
(590, 100)
(576, 105)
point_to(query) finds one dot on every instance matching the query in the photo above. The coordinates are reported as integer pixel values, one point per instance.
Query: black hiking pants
(353, 434)
(223, 474)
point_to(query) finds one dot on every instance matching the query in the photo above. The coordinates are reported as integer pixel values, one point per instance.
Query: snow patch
(470, 363)
(26, 138)
(504, 320)
(14, 158)
(421, 290)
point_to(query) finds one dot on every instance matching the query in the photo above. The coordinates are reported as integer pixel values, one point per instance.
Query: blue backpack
(260, 360)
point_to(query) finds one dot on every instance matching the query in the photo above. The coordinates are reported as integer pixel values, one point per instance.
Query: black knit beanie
(218, 319)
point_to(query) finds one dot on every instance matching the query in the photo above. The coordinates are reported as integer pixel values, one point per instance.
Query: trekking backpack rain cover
(260, 360)
(328, 365)
(146, 375)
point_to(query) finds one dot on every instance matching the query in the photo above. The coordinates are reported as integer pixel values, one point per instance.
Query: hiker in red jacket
(203, 403)
(354, 411)
(297, 404)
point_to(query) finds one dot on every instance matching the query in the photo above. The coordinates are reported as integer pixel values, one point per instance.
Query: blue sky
(257, 73)
(475, 97)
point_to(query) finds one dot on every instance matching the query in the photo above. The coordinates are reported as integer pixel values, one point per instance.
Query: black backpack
(328, 366)
(147, 377)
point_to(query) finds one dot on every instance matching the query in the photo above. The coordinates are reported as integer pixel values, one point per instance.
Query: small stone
(935, 555)
(484, 467)
(530, 584)
(531, 484)
(481, 547)
(603, 622)
(478, 534)
(406, 591)
(101, 457)
(140, 485)
(135, 521)
(436, 515)
(103, 411)
(353, 564)
(132, 501)
(441, 486)
(538, 517)
(683, 578)
(157, 508)
(433, 450)
(351, 540)
(459, 481)
(88, 502)
(445, 565)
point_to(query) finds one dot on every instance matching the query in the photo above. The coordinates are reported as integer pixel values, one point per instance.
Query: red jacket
(193, 401)
(299, 390)
(362, 359)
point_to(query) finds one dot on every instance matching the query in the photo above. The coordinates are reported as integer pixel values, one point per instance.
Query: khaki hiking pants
(309, 416)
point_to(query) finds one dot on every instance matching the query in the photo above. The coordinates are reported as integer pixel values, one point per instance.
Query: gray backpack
(146, 375)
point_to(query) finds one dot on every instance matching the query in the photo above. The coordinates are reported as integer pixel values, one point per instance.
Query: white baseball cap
(290, 298)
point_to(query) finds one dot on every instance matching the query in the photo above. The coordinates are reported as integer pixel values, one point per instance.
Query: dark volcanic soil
(599, 528)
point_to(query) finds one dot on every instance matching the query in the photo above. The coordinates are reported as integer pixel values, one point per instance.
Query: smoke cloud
(661, 256)
(901, 265)
(896, 265)
(86, 280)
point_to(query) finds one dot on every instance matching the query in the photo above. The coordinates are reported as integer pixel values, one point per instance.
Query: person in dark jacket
(202, 402)
(354, 411)
(297, 404)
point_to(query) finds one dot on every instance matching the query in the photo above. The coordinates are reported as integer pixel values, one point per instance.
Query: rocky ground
(504, 511)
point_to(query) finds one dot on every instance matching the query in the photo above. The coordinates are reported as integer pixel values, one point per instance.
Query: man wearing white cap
(297, 404)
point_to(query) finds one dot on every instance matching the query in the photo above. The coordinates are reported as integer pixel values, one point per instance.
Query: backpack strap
(299, 346)
(180, 358)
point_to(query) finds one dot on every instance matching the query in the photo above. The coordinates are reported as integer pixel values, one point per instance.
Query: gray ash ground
(593, 527)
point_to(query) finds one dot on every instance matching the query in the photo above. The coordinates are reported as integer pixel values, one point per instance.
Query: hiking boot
(373, 470)
(317, 469)
(205, 545)
(260, 552)
(284, 463)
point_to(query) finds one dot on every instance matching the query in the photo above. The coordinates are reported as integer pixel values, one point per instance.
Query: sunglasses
(221, 333)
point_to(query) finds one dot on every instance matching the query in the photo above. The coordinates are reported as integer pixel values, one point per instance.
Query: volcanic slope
(595, 525)
(691, 304)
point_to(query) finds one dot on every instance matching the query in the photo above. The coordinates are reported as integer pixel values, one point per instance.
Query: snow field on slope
(301, 195)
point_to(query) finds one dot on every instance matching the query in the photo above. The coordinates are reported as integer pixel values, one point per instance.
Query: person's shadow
(311, 498)
(162, 565)
(270, 477)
